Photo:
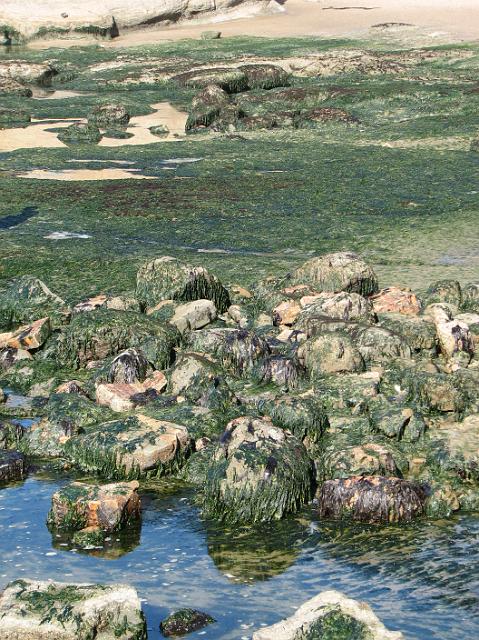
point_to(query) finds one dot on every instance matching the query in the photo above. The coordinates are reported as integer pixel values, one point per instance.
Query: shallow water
(423, 579)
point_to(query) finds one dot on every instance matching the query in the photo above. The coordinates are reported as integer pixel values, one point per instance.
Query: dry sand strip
(459, 19)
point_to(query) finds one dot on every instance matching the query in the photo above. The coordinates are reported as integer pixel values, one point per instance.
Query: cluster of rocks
(315, 386)
(252, 97)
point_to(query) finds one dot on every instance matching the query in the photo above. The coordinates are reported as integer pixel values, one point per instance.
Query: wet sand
(437, 20)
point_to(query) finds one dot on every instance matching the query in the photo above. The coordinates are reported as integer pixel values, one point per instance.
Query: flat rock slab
(31, 610)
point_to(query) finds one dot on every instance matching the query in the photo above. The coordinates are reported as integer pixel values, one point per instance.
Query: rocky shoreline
(315, 387)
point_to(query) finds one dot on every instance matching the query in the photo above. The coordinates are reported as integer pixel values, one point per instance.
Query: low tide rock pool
(418, 578)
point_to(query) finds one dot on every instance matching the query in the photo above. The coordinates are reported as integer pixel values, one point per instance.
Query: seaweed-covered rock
(193, 315)
(470, 298)
(368, 459)
(34, 610)
(10, 357)
(27, 72)
(455, 448)
(448, 291)
(167, 278)
(206, 106)
(258, 473)
(106, 507)
(340, 306)
(14, 117)
(329, 616)
(311, 118)
(27, 298)
(337, 272)
(128, 367)
(374, 499)
(238, 350)
(160, 130)
(10, 87)
(104, 332)
(379, 345)
(185, 621)
(199, 379)
(132, 448)
(330, 353)
(80, 133)
(397, 422)
(303, 415)
(280, 370)
(418, 331)
(12, 466)
(435, 392)
(396, 300)
(104, 115)
(350, 391)
(228, 79)
(265, 76)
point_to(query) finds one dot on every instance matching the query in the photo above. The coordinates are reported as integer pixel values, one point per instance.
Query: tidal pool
(421, 579)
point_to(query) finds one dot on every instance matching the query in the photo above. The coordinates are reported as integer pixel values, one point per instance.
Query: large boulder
(340, 306)
(418, 331)
(455, 448)
(104, 115)
(258, 473)
(107, 507)
(448, 291)
(303, 415)
(337, 272)
(378, 345)
(396, 300)
(265, 76)
(80, 134)
(167, 278)
(456, 342)
(329, 616)
(193, 315)
(374, 499)
(27, 72)
(136, 447)
(34, 610)
(199, 379)
(105, 332)
(368, 459)
(123, 396)
(330, 353)
(27, 298)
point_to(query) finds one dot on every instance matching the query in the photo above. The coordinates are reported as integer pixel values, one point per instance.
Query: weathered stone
(435, 392)
(439, 312)
(265, 76)
(104, 332)
(128, 367)
(239, 315)
(329, 616)
(286, 313)
(448, 291)
(378, 345)
(194, 315)
(373, 499)
(80, 133)
(28, 337)
(418, 331)
(258, 473)
(456, 341)
(185, 621)
(123, 396)
(104, 115)
(369, 459)
(26, 298)
(455, 448)
(339, 306)
(132, 448)
(10, 357)
(338, 272)
(396, 300)
(348, 391)
(330, 353)
(12, 467)
(238, 350)
(167, 278)
(199, 379)
(107, 507)
(33, 610)
(72, 386)
(303, 415)
(280, 370)
(470, 297)
(27, 72)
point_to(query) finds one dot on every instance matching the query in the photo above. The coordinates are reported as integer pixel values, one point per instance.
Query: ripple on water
(422, 579)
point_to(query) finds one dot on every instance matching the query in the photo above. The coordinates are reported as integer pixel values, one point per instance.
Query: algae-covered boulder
(368, 459)
(136, 447)
(14, 117)
(185, 621)
(105, 332)
(79, 134)
(167, 278)
(228, 79)
(340, 306)
(107, 507)
(350, 391)
(379, 345)
(10, 87)
(27, 72)
(470, 297)
(281, 370)
(34, 610)
(123, 396)
(258, 473)
(104, 115)
(27, 298)
(237, 350)
(303, 415)
(374, 499)
(418, 331)
(448, 291)
(12, 466)
(206, 106)
(128, 367)
(396, 421)
(455, 448)
(329, 616)
(337, 272)
(435, 392)
(265, 76)
(330, 353)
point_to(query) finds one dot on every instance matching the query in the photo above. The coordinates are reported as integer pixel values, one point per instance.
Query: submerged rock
(185, 621)
(329, 616)
(373, 499)
(135, 447)
(105, 507)
(258, 473)
(33, 610)
(12, 467)
(337, 272)
(167, 278)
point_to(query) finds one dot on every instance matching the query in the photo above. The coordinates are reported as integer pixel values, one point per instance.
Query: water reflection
(115, 546)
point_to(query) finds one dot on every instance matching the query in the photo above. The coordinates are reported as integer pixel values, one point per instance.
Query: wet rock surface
(185, 621)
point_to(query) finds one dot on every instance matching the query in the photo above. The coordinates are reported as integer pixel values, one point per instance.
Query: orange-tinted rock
(396, 300)
(286, 313)
(125, 397)
(27, 337)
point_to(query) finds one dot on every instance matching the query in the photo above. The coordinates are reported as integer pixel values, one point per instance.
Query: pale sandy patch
(81, 175)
